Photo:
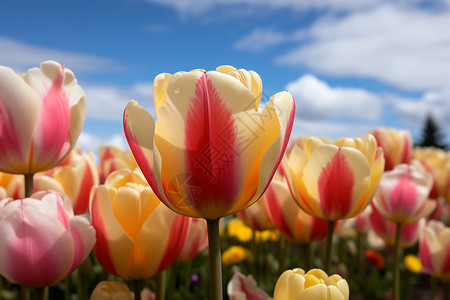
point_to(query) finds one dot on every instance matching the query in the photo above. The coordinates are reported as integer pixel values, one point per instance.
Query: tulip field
(213, 199)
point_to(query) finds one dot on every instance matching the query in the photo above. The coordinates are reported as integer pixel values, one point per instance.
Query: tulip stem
(29, 185)
(445, 290)
(396, 269)
(215, 260)
(137, 289)
(329, 247)
(39, 293)
(306, 254)
(161, 286)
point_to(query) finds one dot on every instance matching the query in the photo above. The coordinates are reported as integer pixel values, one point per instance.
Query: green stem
(445, 290)
(39, 293)
(327, 262)
(306, 254)
(137, 289)
(24, 293)
(67, 285)
(29, 185)
(187, 279)
(396, 269)
(172, 281)
(282, 252)
(215, 260)
(161, 286)
(255, 255)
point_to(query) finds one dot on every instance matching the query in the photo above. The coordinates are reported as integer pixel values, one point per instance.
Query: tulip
(412, 264)
(295, 284)
(333, 180)
(112, 159)
(77, 174)
(243, 287)
(256, 216)
(137, 236)
(292, 222)
(196, 241)
(212, 152)
(41, 240)
(16, 187)
(397, 146)
(402, 195)
(434, 250)
(111, 290)
(385, 229)
(42, 113)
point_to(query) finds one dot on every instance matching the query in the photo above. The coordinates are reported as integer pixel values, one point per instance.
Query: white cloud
(316, 100)
(330, 129)
(92, 143)
(414, 111)
(260, 39)
(403, 46)
(195, 8)
(22, 56)
(107, 102)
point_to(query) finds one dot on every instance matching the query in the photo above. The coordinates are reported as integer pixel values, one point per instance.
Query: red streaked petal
(209, 157)
(335, 186)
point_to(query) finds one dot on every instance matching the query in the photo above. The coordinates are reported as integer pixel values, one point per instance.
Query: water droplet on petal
(177, 90)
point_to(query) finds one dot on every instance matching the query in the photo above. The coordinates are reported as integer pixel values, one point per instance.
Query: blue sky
(351, 65)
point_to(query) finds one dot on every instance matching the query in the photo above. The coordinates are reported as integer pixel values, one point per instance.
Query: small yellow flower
(412, 264)
(237, 229)
(235, 255)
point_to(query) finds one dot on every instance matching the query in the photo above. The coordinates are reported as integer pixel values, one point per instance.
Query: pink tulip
(402, 195)
(434, 250)
(41, 115)
(409, 233)
(243, 287)
(41, 240)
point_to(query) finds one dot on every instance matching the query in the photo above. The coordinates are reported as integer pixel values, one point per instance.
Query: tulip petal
(19, 110)
(318, 291)
(273, 127)
(113, 244)
(338, 178)
(83, 236)
(59, 92)
(335, 294)
(139, 128)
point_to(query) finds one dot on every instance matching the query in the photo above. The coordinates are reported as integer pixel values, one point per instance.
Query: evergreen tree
(432, 136)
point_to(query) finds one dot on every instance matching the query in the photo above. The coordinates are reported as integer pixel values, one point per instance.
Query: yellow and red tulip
(313, 285)
(77, 174)
(333, 180)
(41, 116)
(41, 240)
(402, 195)
(196, 241)
(137, 236)
(434, 250)
(211, 152)
(292, 222)
(256, 217)
(113, 158)
(397, 146)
